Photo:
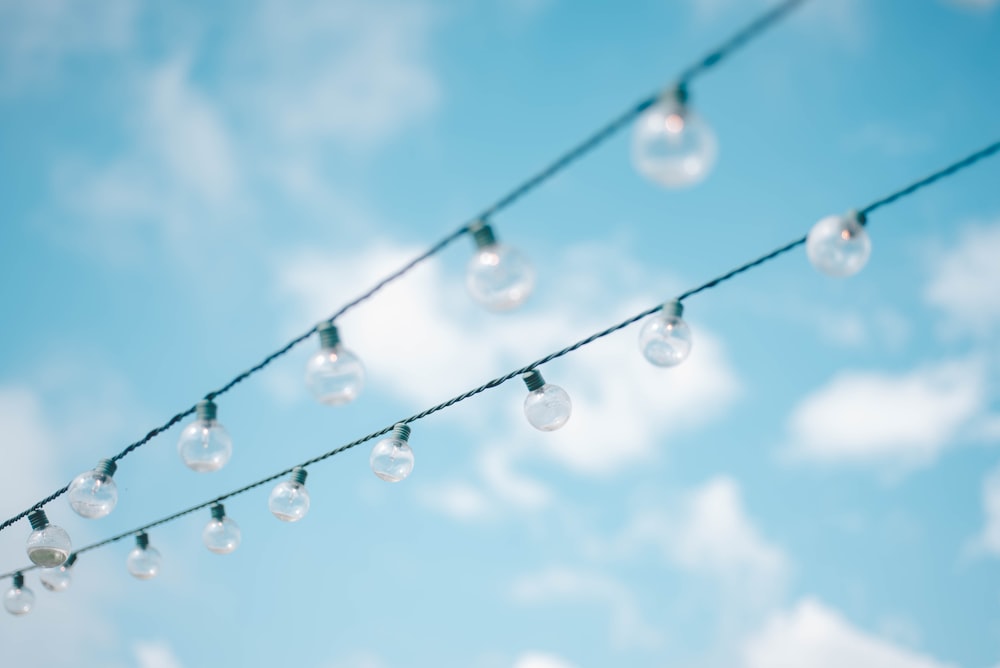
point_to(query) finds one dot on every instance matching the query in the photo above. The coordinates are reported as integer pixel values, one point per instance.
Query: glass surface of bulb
(49, 547)
(672, 146)
(143, 563)
(665, 340)
(289, 501)
(55, 579)
(205, 446)
(335, 375)
(392, 459)
(499, 277)
(93, 494)
(221, 536)
(838, 246)
(18, 600)
(548, 408)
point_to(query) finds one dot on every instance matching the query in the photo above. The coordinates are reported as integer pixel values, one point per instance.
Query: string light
(18, 600)
(48, 545)
(838, 246)
(93, 494)
(221, 535)
(671, 145)
(58, 578)
(143, 561)
(289, 500)
(498, 277)
(205, 445)
(547, 407)
(665, 339)
(391, 458)
(334, 374)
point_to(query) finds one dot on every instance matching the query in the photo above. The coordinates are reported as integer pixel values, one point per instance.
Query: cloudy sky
(184, 188)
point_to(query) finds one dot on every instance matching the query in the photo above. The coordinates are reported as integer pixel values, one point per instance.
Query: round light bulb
(671, 145)
(334, 375)
(205, 444)
(93, 494)
(665, 339)
(289, 500)
(838, 246)
(58, 578)
(143, 561)
(547, 407)
(221, 535)
(498, 277)
(48, 545)
(392, 458)
(18, 600)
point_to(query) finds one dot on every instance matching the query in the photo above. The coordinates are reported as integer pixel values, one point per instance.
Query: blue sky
(184, 188)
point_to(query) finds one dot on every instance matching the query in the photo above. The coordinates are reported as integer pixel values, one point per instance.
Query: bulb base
(329, 337)
(402, 432)
(533, 379)
(142, 540)
(218, 511)
(18, 580)
(674, 308)
(107, 467)
(298, 475)
(206, 410)
(70, 560)
(38, 519)
(482, 234)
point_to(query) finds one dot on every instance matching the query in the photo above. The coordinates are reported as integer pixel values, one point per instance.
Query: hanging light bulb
(143, 561)
(205, 444)
(48, 545)
(93, 494)
(221, 535)
(334, 375)
(392, 458)
(665, 339)
(671, 145)
(498, 276)
(289, 500)
(838, 246)
(547, 407)
(19, 600)
(58, 578)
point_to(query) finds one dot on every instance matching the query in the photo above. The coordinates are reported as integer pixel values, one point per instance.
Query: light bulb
(665, 339)
(392, 458)
(289, 500)
(498, 276)
(334, 375)
(48, 545)
(838, 246)
(58, 578)
(671, 145)
(19, 600)
(93, 494)
(143, 561)
(221, 535)
(205, 444)
(547, 407)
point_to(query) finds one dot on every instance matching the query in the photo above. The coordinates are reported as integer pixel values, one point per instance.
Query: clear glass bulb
(499, 277)
(548, 408)
(838, 246)
(18, 600)
(392, 458)
(93, 494)
(56, 579)
(143, 562)
(335, 375)
(221, 535)
(665, 339)
(289, 500)
(672, 146)
(205, 444)
(48, 545)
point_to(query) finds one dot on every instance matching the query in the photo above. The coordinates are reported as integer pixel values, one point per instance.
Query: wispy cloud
(963, 282)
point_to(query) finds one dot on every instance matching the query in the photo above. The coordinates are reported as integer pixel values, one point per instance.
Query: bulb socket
(857, 216)
(18, 580)
(676, 96)
(329, 337)
(107, 467)
(401, 432)
(482, 234)
(38, 519)
(298, 475)
(218, 511)
(533, 379)
(142, 540)
(70, 560)
(673, 307)
(206, 410)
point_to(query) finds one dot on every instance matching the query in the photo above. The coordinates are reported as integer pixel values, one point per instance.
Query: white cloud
(566, 585)
(541, 660)
(963, 281)
(155, 654)
(27, 474)
(900, 421)
(816, 636)
(989, 540)
(457, 499)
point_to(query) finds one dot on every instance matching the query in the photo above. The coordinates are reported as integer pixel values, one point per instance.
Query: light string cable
(496, 382)
(740, 39)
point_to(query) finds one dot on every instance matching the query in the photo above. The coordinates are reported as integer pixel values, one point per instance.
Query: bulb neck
(218, 511)
(674, 308)
(107, 467)
(329, 337)
(142, 540)
(482, 234)
(206, 410)
(38, 519)
(533, 379)
(401, 432)
(298, 475)
(857, 217)
(676, 96)
(18, 580)
(70, 560)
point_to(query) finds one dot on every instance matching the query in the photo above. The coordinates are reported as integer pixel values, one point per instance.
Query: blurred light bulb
(547, 407)
(58, 578)
(671, 145)
(665, 339)
(289, 500)
(334, 375)
(838, 246)
(205, 444)
(392, 458)
(221, 535)
(143, 561)
(18, 599)
(48, 545)
(93, 494)
(498, 277)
